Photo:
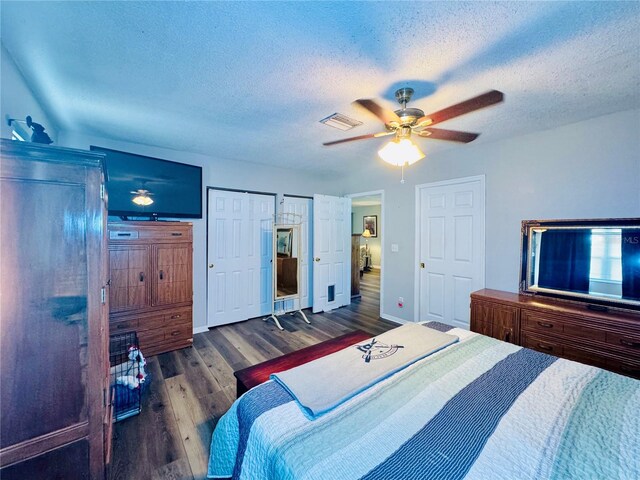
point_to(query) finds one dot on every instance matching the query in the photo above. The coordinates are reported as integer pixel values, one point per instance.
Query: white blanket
(322, 385)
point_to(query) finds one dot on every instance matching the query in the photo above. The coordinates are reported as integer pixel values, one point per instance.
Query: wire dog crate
(128, 376)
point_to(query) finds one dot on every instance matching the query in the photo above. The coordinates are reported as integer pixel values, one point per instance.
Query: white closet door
(331, 252)
(239, 255)
(450, 248)
(304, 208)
(260, 254)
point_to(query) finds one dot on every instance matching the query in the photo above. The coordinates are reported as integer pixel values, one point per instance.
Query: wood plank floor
(191, 388)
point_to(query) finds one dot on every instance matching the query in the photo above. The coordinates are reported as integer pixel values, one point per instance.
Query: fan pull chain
(402, 170)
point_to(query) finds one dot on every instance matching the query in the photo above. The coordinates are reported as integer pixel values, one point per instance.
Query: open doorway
(367, 247)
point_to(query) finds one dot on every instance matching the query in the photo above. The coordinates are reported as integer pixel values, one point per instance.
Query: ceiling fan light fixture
(142, 198)
(400, 152)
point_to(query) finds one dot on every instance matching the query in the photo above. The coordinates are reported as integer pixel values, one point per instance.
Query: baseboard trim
(393, 319)
(200, 329)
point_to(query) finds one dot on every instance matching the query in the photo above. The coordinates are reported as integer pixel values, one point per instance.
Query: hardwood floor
(370, 286)
(191, 388)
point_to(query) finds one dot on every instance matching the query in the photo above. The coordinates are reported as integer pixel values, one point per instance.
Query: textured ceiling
(250, 80)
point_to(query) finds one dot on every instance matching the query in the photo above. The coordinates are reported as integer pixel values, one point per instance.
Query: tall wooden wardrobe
(54, 415)
(151, 277)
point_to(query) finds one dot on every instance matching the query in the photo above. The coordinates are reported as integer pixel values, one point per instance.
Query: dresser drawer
(177, 234)
(179, 332)
(629, 342)
(589, 357)
(149, 233)
(155, 322)
(541, 322)
(550, 324)
(630, 368)
(565, 350)
(123, 326)
(150, 337)
(162, 320)
(178, 316)
(542, 344)
(579, 330)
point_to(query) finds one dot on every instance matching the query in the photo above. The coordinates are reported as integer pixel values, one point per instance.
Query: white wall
(17, 99)
(589, 169)
(356, 227)
(215, 173)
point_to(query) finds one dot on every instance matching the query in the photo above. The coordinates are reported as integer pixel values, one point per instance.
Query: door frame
(443, 183)
(382, 236)
(206, 327)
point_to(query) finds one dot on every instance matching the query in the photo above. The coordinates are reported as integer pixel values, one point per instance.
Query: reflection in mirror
(601, 262)
(286, 262)
(284, 237)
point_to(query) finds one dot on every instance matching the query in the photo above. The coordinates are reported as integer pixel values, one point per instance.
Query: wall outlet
(394, 247)
(400, 302)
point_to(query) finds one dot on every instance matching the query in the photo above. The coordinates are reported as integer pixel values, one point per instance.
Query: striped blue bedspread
(479, 409)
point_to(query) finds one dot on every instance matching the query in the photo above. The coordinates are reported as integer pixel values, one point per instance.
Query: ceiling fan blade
(387, 116)
(360, 137)
(476, 103)
(450, 135)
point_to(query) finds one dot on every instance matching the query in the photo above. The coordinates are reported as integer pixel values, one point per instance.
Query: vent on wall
(340, 121)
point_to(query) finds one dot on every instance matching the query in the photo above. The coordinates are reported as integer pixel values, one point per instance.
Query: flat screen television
(139, 186)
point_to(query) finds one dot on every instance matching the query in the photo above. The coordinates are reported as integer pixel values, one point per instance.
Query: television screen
(140, 186)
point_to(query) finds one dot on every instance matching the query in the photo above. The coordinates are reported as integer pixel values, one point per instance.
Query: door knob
(421, 264)
(317, 259)
(211, 265)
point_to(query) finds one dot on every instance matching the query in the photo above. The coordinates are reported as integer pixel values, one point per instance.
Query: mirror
(594, 260)
(286, 266)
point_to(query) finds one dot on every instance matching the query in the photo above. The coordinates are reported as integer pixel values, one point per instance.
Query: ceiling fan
(406, 121)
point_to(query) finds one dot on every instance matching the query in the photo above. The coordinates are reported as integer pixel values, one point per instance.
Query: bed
(477, 409)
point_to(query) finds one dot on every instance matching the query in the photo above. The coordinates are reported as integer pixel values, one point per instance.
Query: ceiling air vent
(340, 121)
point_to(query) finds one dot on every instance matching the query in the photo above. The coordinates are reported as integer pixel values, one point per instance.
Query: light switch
(394, 247)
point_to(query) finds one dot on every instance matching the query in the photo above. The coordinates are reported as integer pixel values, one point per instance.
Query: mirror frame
(593, 301)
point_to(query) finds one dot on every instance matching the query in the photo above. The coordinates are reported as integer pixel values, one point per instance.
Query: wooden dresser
(151, 275)
(55, 421)
(569, 330)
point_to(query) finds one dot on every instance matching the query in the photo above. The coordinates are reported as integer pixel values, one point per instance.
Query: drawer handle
(176, 234)
(161, 274)
(120, 326)
(120, 234)
(175, 316)
(142, 276)
(545, 324)
(546, 348)
(629, 343)
(507, 335)
(175, 332)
